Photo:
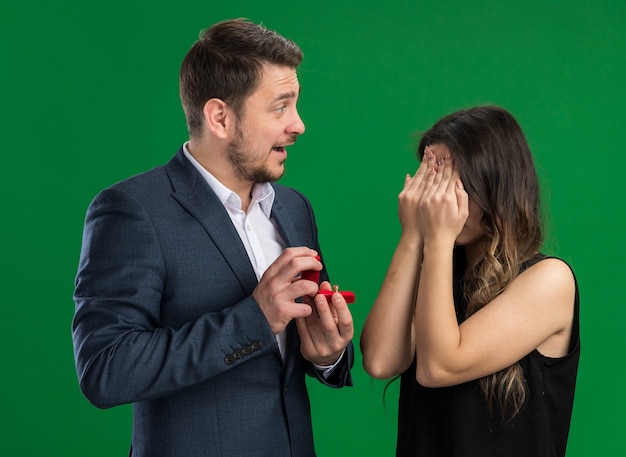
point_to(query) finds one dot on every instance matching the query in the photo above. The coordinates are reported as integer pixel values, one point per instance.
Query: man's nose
(296, 126)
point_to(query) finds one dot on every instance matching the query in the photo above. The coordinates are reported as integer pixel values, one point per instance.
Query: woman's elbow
(431, 376)
(377, 370)
(381, 366)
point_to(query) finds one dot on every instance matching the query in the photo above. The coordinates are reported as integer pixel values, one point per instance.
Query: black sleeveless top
(454, 421)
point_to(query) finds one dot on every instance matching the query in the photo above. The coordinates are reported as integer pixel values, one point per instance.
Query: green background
(89, 96)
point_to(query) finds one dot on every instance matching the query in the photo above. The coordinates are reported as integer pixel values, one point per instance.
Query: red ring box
(312, 275)
(348, 296)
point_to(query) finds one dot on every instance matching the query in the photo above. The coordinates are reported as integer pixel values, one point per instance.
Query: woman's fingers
(416, 183)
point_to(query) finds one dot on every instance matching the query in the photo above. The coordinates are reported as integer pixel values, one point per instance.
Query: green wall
(89, 96)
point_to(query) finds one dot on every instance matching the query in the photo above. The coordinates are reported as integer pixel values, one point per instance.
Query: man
(188, 299)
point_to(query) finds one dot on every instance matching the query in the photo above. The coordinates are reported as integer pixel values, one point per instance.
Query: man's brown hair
(226, 63)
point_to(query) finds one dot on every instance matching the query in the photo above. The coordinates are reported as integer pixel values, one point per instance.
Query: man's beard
(239, 158)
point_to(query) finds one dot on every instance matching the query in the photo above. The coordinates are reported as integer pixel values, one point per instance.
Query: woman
(480, 326)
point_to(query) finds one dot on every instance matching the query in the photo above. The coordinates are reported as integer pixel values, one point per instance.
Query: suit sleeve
(122, 354)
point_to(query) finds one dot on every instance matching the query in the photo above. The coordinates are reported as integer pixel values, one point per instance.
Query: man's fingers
(345, 324)
(292, 261)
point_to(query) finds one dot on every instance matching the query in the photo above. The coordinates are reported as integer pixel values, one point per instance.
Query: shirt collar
(263, 193)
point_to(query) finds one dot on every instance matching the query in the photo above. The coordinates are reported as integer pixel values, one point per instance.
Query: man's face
(269, 122)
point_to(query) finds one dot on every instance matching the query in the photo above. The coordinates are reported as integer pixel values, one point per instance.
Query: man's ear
(217, 117)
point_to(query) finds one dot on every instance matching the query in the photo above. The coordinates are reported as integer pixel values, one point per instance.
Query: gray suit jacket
(165, 320)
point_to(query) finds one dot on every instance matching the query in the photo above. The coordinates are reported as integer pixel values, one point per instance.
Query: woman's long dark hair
(499, 175)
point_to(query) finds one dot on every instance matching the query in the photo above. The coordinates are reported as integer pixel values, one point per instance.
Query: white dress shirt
(257, 231)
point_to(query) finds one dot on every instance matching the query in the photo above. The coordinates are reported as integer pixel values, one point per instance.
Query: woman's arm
(534, 312)
(386, 339)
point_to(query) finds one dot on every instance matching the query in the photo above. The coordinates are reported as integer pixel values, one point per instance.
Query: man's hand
(325, 333)
(278, 290)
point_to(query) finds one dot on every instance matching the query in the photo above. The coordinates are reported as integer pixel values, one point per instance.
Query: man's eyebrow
(287, 95)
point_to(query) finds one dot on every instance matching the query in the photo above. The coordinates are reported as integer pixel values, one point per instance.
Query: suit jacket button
(229, 359)
(256, 345)
(247, 349)
(238, 354)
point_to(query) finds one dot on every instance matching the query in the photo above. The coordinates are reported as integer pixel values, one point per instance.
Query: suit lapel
(290, 235)
(285, 223)
(197, 197)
